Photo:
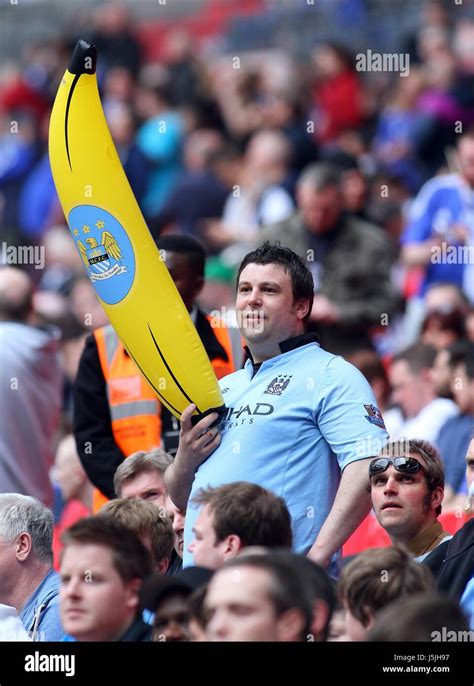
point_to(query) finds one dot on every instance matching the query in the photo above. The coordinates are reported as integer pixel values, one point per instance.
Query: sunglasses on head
(406, 465)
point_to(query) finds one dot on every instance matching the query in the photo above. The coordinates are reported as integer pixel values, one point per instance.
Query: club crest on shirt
(278, 385)
(374, 416)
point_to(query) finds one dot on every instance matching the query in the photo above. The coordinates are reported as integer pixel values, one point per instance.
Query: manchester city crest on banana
(102, 261)
(105, 249)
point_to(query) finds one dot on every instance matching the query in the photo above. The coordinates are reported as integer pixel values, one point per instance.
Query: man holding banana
(300, 421)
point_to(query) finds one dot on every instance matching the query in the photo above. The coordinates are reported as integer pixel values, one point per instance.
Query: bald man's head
(16, 294)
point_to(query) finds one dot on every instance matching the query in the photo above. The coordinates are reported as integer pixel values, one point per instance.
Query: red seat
(369, 534)
(450, 521)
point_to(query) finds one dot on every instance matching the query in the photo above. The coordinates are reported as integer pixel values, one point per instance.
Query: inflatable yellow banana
(119, 254)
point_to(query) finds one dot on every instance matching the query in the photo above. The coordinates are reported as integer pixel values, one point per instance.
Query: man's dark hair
(316, 583)
(301, 278)
(131, 559)
(185, 245)
(419, 356)
(416, 619)
(285, 592)
(255, 514)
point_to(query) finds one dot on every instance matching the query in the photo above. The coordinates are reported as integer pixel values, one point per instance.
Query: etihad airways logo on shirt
(237, 416)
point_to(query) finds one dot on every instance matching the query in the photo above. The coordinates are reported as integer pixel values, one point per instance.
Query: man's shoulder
(362, 231)
(441, 183)
(436, 412)
(443, 406)
(317, 353)
(458, 422)
(20, 335)
(49, 587)
(43, 604)
(436, 189)
(462, 540)
(283, 230)
(311, 356)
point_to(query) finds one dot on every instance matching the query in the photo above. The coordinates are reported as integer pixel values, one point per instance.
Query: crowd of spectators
(369, 177)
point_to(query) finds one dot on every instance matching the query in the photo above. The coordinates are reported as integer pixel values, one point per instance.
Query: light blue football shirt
(292, 428)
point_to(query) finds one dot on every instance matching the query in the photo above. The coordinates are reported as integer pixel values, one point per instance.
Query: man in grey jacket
(30, 391)
(350, 261)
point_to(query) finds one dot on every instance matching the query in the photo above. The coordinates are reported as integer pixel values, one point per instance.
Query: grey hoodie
(30, 402)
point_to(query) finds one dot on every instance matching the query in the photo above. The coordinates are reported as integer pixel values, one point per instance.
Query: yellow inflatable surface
(119, 254)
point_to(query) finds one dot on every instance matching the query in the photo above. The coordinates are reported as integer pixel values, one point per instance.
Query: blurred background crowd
(243, 120)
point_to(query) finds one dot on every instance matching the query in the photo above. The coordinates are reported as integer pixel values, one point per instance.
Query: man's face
(184, 276)
(96, 604)
(442, 373)
(240, 608)
(320, 209)
(401, 502)
(178, 519)
(207, 552)
(148, 486)
(463, 389)
(266, 311)
(172, 619)
(466, 159)
(405, 388)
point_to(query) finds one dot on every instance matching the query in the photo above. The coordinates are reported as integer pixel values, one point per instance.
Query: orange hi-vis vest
(134, 407)
(221, 332)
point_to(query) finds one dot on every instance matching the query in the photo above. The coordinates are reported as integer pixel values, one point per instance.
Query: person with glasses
(407, 489)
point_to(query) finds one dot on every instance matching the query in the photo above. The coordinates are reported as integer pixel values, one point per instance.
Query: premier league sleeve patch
(374, 416)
